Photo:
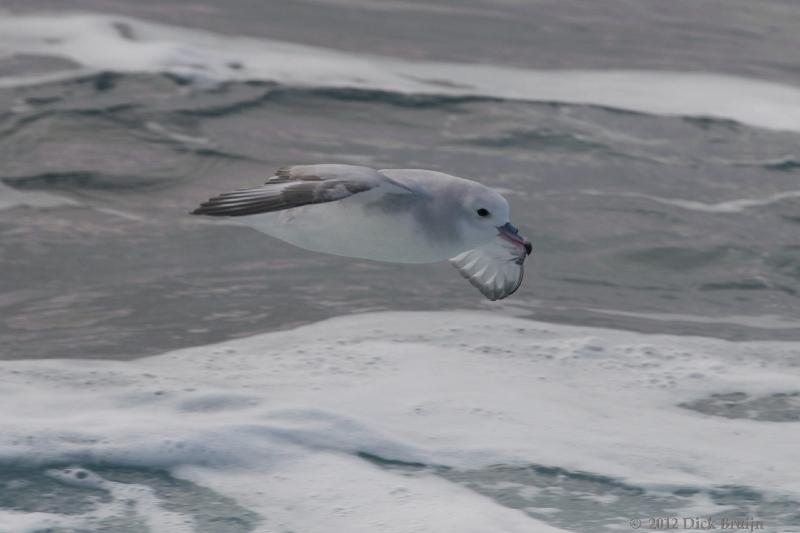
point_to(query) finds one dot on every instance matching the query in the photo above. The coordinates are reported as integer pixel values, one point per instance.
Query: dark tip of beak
(511, 233)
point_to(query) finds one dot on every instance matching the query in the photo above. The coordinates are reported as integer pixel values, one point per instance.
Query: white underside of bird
(393, 215)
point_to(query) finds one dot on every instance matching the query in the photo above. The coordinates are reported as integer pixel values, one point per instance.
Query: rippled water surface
(648, 149)
(679, 224)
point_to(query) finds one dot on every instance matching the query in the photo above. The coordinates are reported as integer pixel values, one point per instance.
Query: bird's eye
(483, 212)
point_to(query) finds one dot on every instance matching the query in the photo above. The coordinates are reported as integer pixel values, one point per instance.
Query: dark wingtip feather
(244, 202)
(206, 208)
(213, 207)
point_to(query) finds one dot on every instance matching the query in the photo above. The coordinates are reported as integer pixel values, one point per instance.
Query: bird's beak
(510, 233)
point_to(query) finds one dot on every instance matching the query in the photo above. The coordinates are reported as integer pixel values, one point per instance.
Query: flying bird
(392, 215)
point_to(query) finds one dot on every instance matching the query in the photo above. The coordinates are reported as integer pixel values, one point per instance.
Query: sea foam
(282, 422)
(113, 43)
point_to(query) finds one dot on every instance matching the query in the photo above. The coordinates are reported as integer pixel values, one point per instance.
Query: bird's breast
(380, 228)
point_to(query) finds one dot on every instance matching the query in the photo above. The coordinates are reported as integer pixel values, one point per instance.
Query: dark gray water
(126, 272)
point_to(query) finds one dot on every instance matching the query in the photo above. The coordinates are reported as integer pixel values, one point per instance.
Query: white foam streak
(750, 321)
(729, 206)
(114, 43)
(276, 421)
(22, 522)
(326, 492)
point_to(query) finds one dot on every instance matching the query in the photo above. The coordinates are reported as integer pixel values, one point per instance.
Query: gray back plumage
(294, 186)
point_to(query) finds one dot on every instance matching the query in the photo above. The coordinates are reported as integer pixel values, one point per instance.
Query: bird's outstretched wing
(294, 187)
(495, 268)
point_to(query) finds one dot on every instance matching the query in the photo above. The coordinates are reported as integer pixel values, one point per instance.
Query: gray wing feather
(496, 269)
(294, 187)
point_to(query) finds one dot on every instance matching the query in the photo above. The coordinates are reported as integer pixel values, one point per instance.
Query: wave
(10, 198)
(536, 138)
(729, 206)
(82, 180)
(312, 428)
(783, 164)
(100, 43)
(750, 321)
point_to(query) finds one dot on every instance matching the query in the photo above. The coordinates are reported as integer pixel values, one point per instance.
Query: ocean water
(162, 372)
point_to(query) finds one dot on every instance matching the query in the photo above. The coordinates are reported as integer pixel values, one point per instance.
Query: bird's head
(485, 215)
